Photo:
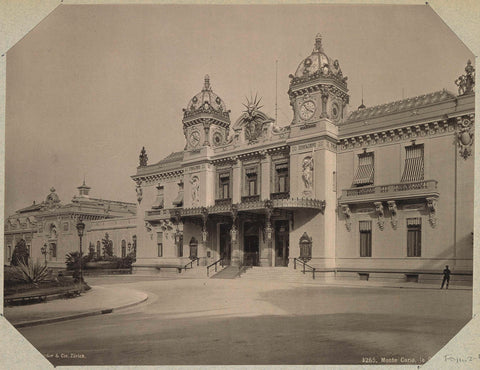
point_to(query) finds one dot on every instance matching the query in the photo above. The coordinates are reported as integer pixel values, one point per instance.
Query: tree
(91, 251)
(20, 253)
(107, 247)
(72, 261)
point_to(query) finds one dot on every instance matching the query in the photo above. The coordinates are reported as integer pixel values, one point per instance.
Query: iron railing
(191, 263)
(305, 266)
(215, 264)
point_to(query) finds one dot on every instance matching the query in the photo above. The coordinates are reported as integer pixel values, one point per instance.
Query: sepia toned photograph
(239, 185)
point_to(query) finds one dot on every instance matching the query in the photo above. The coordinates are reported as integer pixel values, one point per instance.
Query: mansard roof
(400, 105)
(172, 157)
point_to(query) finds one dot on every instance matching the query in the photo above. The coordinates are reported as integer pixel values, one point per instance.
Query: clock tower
(318, 89)
(206, 120)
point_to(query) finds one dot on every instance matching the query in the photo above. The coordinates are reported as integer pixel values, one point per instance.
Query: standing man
(446, 276)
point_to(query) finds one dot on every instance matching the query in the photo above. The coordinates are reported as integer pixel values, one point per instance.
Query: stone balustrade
(405, 190)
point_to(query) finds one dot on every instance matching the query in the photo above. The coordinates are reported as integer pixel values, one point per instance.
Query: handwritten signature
(460, 359)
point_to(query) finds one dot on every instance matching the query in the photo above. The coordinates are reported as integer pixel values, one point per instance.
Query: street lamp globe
(80, 228)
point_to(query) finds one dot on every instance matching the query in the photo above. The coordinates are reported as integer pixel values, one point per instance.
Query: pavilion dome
(317, 61)
(206, 99)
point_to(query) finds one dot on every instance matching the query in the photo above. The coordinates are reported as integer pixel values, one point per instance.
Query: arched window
(124, 248)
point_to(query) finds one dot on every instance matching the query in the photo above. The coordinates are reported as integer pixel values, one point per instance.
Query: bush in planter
(32, 273)
(72, 261)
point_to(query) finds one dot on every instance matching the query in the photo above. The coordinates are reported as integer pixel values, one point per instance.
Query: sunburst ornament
(253, 104)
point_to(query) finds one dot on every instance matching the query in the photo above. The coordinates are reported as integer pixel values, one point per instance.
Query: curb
(76, 316)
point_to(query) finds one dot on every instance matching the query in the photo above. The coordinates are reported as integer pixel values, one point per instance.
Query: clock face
(307, 110)
(335, 111)
(194, 138)
(217, 138)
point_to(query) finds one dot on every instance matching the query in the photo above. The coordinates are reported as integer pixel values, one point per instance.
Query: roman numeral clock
(318, 89)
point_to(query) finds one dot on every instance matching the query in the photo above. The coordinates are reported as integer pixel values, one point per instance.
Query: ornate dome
(206, 100)
(318, 61)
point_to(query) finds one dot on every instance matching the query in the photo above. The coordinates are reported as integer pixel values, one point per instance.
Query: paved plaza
(221, 322)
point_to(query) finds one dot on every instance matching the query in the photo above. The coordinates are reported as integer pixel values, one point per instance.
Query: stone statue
(143, 157)
(466, 82)
(307, 172)
(195, 189)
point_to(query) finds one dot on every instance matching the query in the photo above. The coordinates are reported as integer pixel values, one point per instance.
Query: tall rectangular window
(160, 244)
(365, 238)
(365, 170)
(224, 181)
(252, 184)
(9, 253)
(414, 163)
(281, 178)
(414, 237)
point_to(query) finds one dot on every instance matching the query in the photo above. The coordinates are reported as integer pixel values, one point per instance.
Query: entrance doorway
(250, 244)
(281, 243)
(225, 243)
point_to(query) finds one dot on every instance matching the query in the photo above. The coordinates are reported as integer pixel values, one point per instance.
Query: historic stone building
(49, 228)
(388, 187)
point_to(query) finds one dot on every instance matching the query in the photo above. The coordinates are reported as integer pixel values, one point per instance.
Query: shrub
(20, 253)
(32, 273)
(72, 261)
(107, 247)
(91, 252)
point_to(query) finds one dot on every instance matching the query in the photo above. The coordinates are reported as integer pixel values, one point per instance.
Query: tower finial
(206, 86)
(318, 43)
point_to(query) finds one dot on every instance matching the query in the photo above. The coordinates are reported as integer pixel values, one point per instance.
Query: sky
(91, 84)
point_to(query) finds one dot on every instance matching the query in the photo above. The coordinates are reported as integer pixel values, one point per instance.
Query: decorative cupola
(206, 120)
(83, 190)
(318, 89)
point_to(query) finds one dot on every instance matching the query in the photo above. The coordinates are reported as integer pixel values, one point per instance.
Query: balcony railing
(250, 198)
(414, 189)
(223, 201)
(282, 195)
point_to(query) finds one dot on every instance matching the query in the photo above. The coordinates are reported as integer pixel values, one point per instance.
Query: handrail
(312, 269)
(214, 264)
(191, 263)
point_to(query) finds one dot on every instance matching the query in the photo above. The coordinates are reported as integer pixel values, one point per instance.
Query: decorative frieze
(157, 177)
(407, 133)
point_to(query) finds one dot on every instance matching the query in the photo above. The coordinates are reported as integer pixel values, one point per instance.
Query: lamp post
(81, 229)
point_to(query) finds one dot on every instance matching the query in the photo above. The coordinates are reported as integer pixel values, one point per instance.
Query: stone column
(324, 94)
(206, 128)
(266, 259)
(265, 177)
(204, 241)
(236, 255)
(236, 182)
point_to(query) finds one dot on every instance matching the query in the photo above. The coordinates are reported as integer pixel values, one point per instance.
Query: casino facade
(387, 188)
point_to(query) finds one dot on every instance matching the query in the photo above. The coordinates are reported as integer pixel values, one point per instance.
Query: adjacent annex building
(383, 187)
(49, 227)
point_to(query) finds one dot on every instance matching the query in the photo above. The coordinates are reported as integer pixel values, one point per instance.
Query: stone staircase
(285, 274)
